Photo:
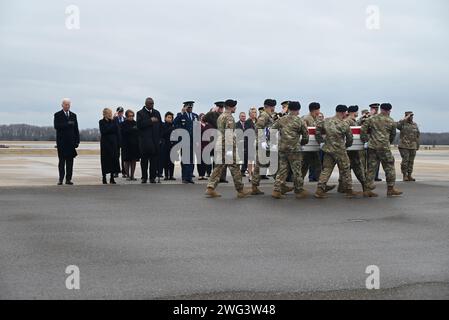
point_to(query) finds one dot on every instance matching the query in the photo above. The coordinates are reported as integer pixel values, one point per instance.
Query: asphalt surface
(168, 241)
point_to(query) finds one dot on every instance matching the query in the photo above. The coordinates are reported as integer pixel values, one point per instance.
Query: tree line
(24, 132)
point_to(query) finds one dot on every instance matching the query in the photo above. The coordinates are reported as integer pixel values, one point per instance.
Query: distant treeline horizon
(25, 132)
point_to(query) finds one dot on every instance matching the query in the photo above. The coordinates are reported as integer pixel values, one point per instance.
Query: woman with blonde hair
(109, 130)
(251, 125)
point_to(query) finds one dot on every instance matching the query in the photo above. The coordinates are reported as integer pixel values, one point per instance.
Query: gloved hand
(264, 145)
(321, 145)
(365, 145)
(229, 154)
(274, 148)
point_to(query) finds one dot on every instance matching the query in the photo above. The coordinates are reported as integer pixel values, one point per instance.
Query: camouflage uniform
(408, 144)
(363, 153)
(379, 131)
(338, 138)
(355, 159)
(311, 160)
(264, 122)
(225, 122)
(291, 128)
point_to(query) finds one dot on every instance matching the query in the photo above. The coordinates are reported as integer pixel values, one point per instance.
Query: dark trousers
(204, 169)
(151, 162)
(65, 168)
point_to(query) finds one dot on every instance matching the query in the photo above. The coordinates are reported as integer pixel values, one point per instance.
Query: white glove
(229, 154)
(274, 148)
(365, 145)
(321, 145)
(264, 145)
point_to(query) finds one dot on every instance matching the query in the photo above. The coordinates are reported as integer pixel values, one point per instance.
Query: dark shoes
(69, 183)
(59, 183)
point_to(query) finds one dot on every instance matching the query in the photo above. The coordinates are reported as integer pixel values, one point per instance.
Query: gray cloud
(209, 50)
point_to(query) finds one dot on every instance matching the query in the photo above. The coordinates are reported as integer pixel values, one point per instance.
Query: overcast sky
(209, 50)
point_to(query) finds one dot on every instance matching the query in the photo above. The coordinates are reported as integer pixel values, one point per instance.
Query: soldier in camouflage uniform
(379, 131)
(226, 122)
(354, 156)
(264, 122)
(408, 144)
(363, 153)
(311, 160)
(291, 128)
(338, 138)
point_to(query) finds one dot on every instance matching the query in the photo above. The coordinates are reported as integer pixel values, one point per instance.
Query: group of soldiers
(378, 131)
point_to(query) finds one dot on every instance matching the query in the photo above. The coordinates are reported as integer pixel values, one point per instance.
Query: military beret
(261, 108)
(285, 102)
(365, 111)
(408, 112)
(294, 105)
(353, 109)
(189, 103)
(219, 104)
(120, 109)
(270, 103)
(374, 105)
(341, 108)
(230, 103)
(314, 106)
(386, 106)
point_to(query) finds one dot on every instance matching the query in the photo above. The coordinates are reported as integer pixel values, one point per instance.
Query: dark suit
(119, 121)
(109, 146)
(67, 140)
(246, 125)
(186, 121)
(149, 141)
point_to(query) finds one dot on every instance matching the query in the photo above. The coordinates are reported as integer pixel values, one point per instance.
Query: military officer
(264, 123)
(311, 160)
(379, 131)
(408, 144)
(226, 122)
(338, 139)
(293, 134)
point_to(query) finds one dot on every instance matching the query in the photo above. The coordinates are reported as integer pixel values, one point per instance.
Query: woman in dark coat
(130, 144)
(109, 130)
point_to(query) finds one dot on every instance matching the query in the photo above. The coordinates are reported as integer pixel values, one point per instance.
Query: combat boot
(406, 178)
(410, 178)
(256, 191)
(329, 188)
(211, 193)
(320, 194)
(277, 195)
(286, 189)
(302, 195)
(393, 192)
(370, 194)
(351, 194)
(243, 193)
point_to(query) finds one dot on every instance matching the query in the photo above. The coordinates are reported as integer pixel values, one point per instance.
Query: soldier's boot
(302, 195)
(243, 193)
(370, 194)
(340, 189)
(255, 191)
(211, 193)
(286, 189)
(393, 192)
(329, 188)
(352, 194)
(320, 194)
(277, 195)
(406, 178)
(410, 178)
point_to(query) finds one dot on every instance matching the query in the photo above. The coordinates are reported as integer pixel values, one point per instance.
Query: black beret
(261, 109)
(189, 103)
(285, 102)
(374, 105)
(353, 109)
(270, 103)
(341, 108)
(294, 105)
(219, 104)
(230, 103)
(386, 106)
(314, 106)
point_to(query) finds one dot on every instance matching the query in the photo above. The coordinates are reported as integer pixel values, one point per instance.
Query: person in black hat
(312, 161)
(119, 119)
(409, 143)
(379, 131)
(338, 139)
(185, 120)
(149, 126)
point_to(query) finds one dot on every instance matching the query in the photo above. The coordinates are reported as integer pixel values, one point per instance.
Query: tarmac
(133, 241)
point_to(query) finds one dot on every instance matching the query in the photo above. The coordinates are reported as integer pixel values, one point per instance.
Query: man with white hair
(67, 141)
